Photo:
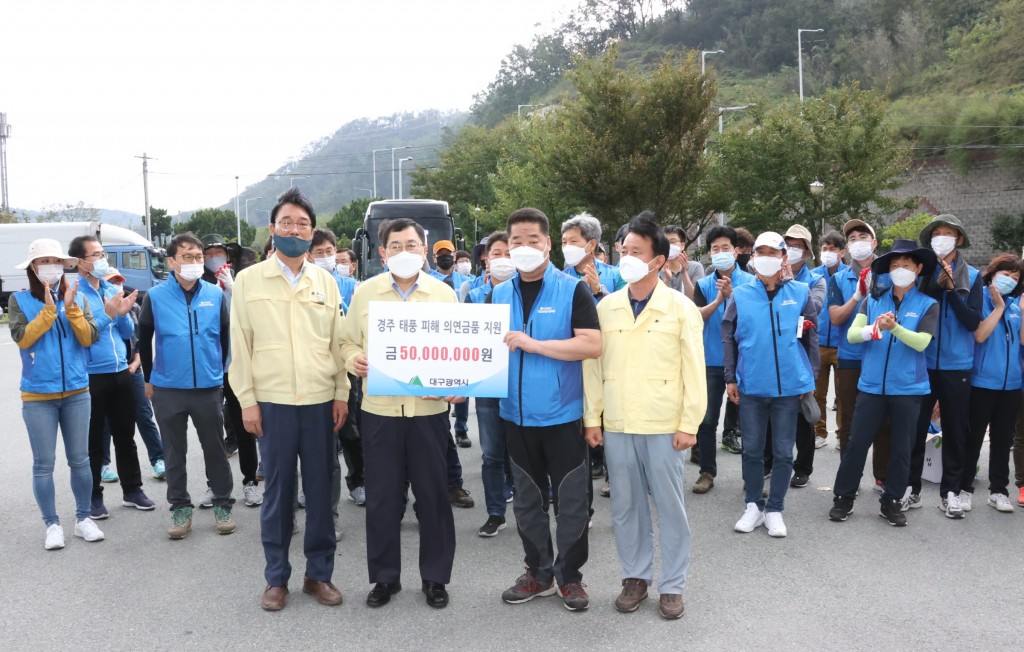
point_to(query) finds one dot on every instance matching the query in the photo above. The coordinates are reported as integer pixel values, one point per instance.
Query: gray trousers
(172, 408)
(644, 468)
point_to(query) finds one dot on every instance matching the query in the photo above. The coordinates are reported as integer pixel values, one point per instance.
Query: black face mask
(445, 261)
(742, 260)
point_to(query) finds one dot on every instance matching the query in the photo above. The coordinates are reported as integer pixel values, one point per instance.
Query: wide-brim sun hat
(951, 221)
(924, 256)
(46, 248)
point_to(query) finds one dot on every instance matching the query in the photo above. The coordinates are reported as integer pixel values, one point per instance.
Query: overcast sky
(218, 88)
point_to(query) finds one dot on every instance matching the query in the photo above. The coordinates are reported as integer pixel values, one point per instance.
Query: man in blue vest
(554, 327)
(770, 353)
(580, 235)
(444, 258)
(184, 374)
(711, 295)
(833, 249)
(957, 287)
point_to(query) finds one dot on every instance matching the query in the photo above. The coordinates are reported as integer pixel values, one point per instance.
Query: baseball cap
(770, 239)
(854, 223)
(444, 244)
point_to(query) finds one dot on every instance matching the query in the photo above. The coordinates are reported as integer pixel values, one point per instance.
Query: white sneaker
(776, 526)
(1000, 501)
(965, 500)
(951, 505)
(55, 537)
(358, 496)
(820, 442)
(253, 497)
(87, 529)
(206, 502)
(752, 519)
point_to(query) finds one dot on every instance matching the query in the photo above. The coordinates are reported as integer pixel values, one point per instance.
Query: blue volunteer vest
(607, 275)
(542, 391)
(952, 348)
(890, 367)
(109, 354)
(188, 353)
(56, 362)
(346, 285)
(713, 356)
(997, 362)
(772, 361)
(847, 280)
(828, 335)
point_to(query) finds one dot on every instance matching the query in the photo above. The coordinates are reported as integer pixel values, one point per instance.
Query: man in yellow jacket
(405, 438)
(287, 374)
(649, 387)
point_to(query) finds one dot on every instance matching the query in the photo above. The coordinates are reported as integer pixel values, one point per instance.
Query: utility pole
(5, 131)
(145, 191)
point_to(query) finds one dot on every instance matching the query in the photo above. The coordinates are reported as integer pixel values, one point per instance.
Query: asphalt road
(936, 584)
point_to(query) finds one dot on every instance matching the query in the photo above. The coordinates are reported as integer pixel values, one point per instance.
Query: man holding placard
(554, 327)
(405, 438)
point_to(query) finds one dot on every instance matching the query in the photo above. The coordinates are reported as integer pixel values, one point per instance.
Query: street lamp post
(239, 240)
(400, 161)
(375, 170)
(818, 190)
(704, 54)
(723, 109)
(238, 213)
(393, 167)
(800, 56)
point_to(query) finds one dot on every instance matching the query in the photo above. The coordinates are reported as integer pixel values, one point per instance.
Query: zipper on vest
(192, 344)
(777, 328)
(60, 346)
(885, 368)
(1009, 341)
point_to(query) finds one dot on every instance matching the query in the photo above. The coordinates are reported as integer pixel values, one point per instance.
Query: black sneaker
(596, 471)
(842, 507)
(731, 442)
(892, 511)
(462, 439)
(695, 455)
(493, 525)
(799, 481)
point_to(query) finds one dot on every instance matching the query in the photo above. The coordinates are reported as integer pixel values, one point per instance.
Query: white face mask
(191, 271)
(767, 265)
(943, 245)
(502, 269)
(573, 254)
(860, 250)
(464, 268)
(405, 265)
(50, 274)
(526, 259)
(632, 269)
(673, 251)
(344, 270)
(794, 255)
(829, 258)
(327, 263)
(902, 277)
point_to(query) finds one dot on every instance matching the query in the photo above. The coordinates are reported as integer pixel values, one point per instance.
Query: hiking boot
(842, 507)
(704, 483)
(634, 591)
(181, 522)
(574, 597)
(527, 588)
(223, 516)
(670, 606)
(892, 511)
(460, 497)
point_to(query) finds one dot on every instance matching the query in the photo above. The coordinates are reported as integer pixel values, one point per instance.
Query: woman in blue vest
(894, 327)
(53, 327)
(996, 380)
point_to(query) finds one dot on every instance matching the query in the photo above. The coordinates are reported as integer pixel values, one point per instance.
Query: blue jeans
(41, 421)
(707, 439)
(461, 411)
(495, 468)
(145, 421)
(755, 413)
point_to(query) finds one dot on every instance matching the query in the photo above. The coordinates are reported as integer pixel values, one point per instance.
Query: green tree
(161, 222)
(841, 139)
(348, 218)
(632, 141)
(1008, 232)
(907, 229)
(217, 220)
(68, 213)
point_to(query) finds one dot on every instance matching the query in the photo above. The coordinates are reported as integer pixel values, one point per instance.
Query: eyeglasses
(411, 246)
(190, 258)
(300, 227)
(96, 255)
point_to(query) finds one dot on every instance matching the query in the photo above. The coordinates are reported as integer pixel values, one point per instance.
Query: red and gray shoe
(574, 597)
(527, 588)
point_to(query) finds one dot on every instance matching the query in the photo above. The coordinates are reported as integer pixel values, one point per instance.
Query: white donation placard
(437, 349)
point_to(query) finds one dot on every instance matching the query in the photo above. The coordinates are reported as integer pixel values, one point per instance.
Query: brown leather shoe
(324, 592)
(704, 483)
(634, 591)
(460, 497)
(671, 606)
(274, 598)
